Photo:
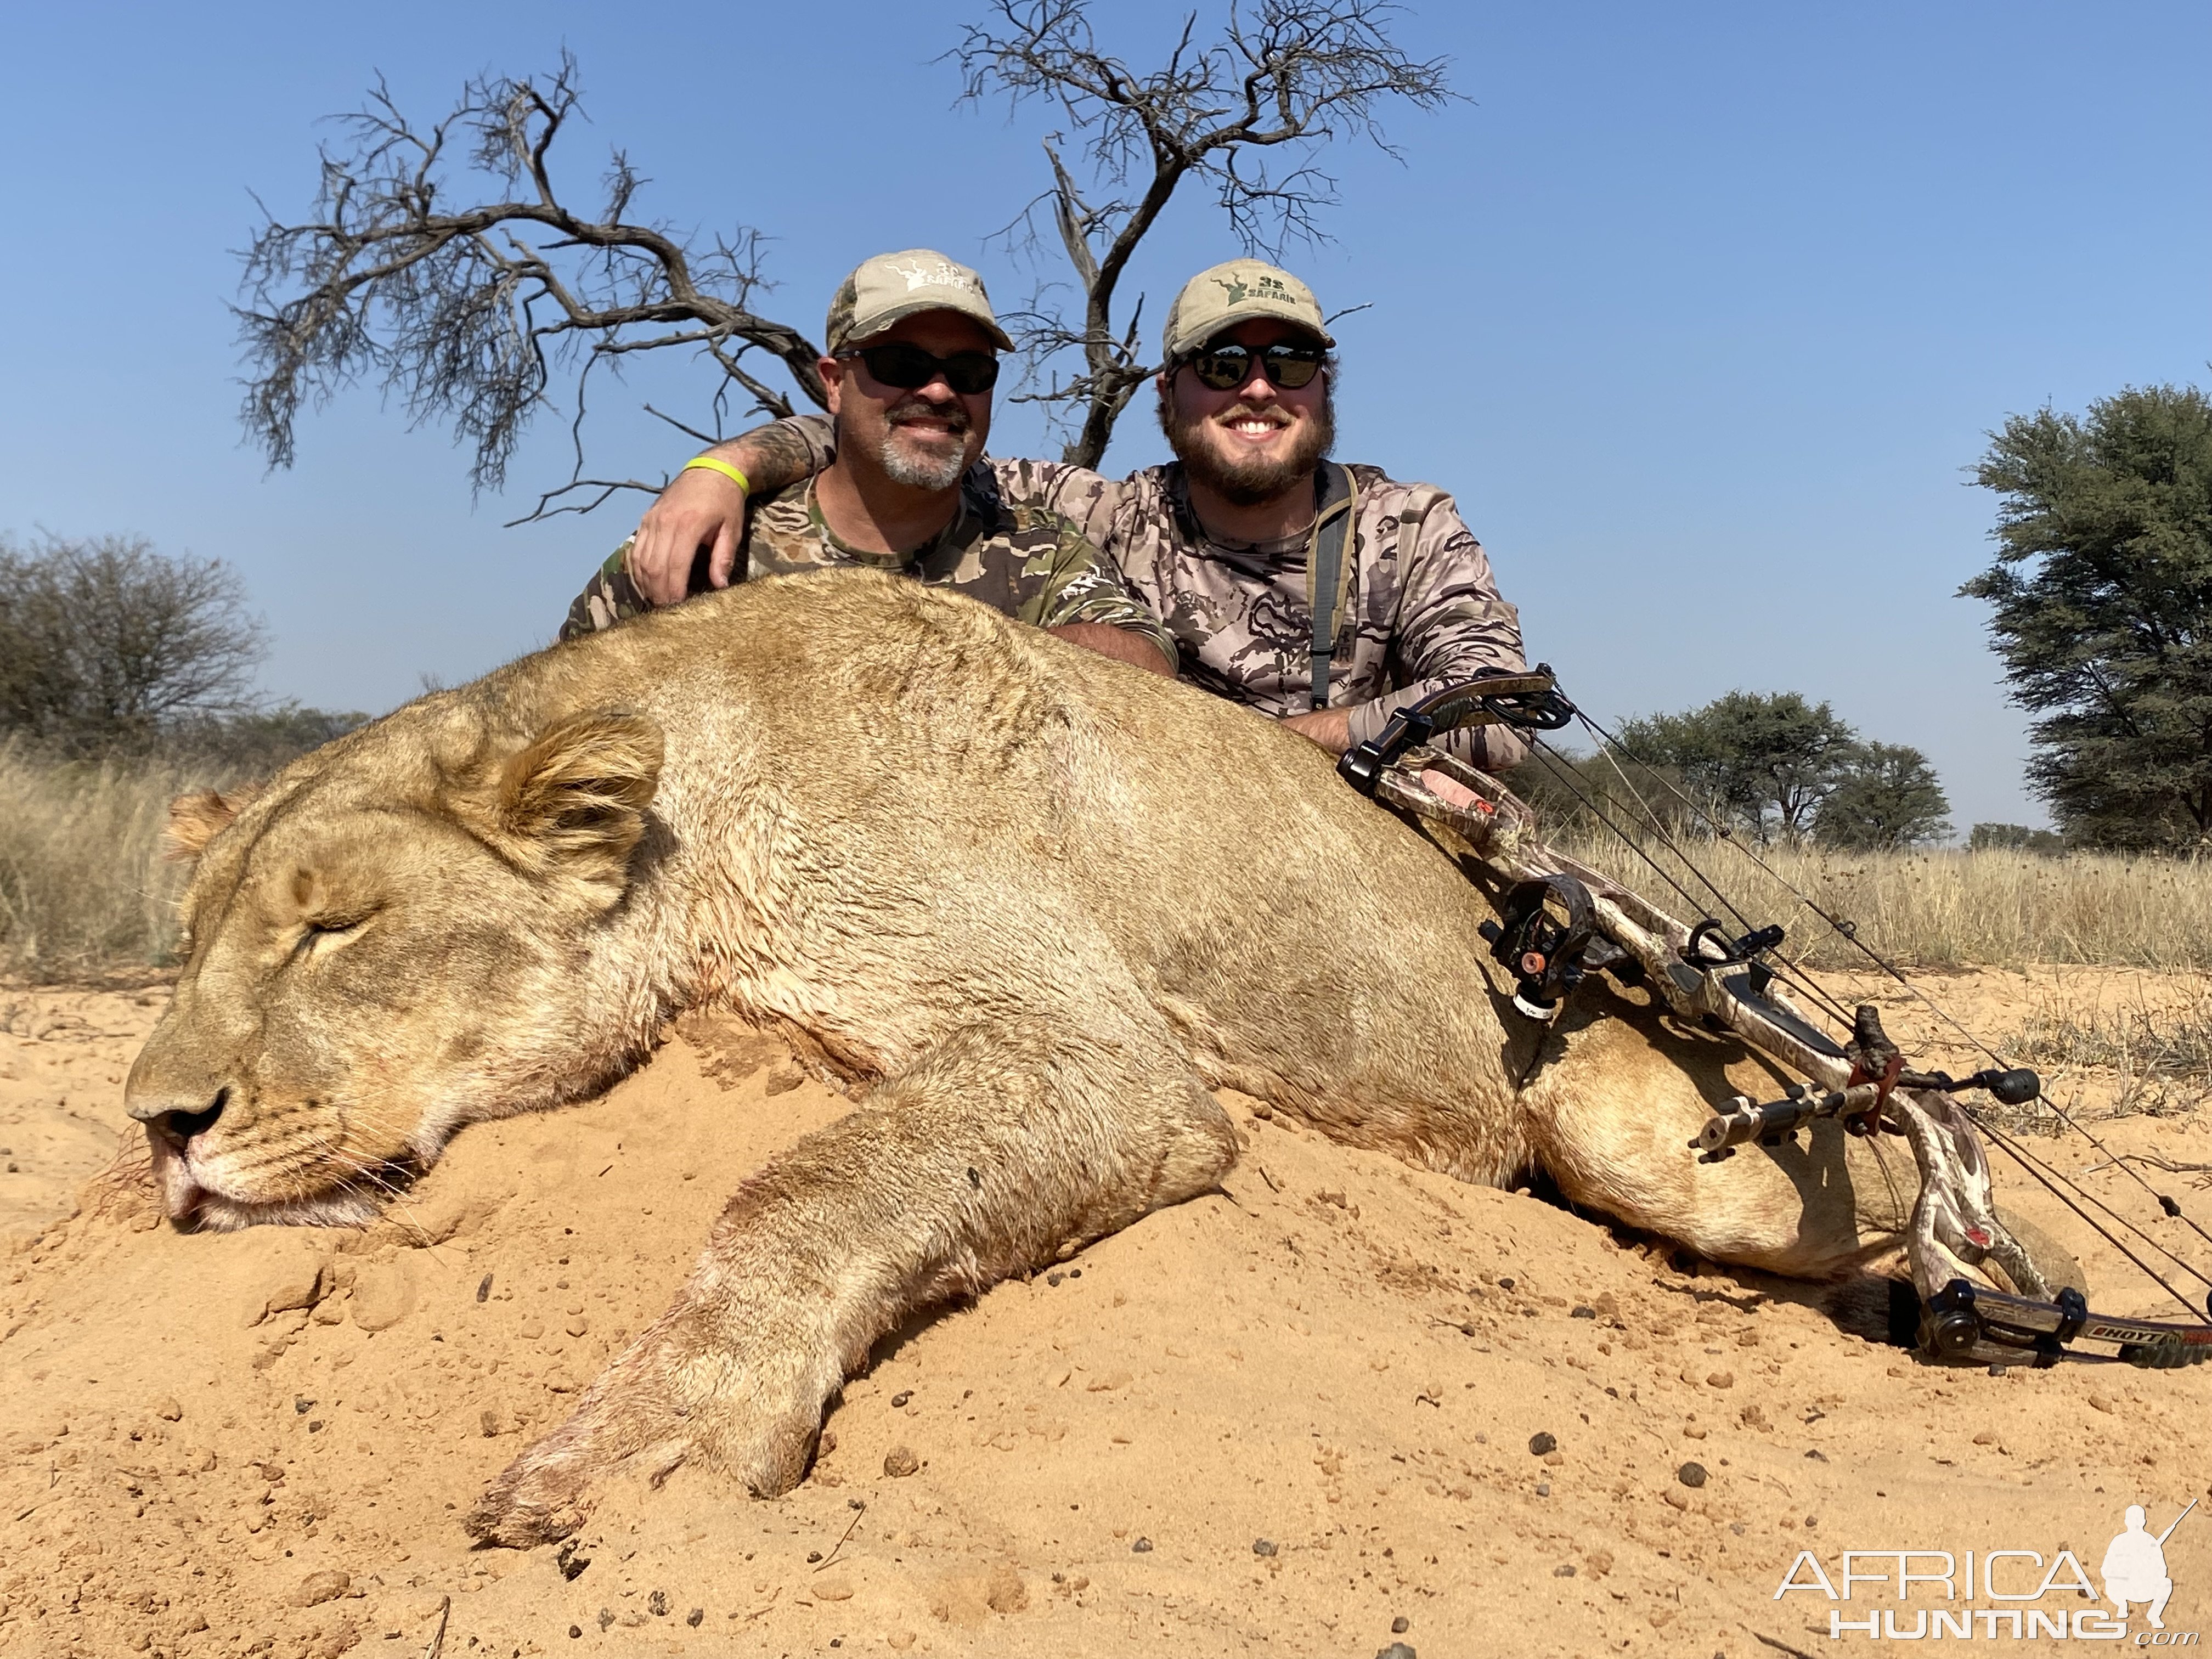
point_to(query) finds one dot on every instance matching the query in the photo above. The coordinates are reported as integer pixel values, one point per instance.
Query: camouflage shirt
(1421, 611)
(1019, 557)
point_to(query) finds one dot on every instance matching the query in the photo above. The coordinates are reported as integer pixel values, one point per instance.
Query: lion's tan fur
(1035, 903)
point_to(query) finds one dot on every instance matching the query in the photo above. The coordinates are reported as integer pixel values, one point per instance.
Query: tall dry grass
(1946, 908)
(83, 888)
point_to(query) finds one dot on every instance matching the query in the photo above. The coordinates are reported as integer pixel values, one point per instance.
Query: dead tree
(443, 262)
(1246, 114)
(464, 312)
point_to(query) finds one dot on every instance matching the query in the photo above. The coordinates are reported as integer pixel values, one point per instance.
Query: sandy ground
(1293, 1419)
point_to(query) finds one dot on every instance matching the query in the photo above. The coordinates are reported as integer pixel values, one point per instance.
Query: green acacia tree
(1886, 797)
(1765, 761)
(2101, 597)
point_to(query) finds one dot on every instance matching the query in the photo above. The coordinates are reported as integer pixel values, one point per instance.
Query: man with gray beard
(1231, 542)
(911, 345)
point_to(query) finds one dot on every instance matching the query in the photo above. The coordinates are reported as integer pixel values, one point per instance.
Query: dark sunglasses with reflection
(908, 368)
(1228, 366)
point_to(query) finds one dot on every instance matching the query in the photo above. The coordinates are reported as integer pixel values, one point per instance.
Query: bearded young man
(912, 345)
(1228, 541)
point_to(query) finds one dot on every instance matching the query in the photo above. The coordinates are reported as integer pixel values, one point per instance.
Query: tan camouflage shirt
(1422, 612)
(1019, 557)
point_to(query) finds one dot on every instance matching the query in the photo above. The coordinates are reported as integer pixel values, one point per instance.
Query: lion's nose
(178, 1128)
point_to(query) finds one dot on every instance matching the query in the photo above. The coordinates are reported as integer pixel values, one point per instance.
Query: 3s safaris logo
(2026, 1595)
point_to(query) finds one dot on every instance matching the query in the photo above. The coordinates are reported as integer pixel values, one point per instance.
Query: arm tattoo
(778, 455)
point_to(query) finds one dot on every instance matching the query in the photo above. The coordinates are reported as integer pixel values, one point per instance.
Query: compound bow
(1561, 920)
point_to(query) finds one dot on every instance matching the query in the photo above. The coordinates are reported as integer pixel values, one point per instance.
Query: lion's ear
(196, 820)
(573, 799)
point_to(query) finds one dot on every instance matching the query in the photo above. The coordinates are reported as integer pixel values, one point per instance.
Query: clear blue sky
(1701, 311)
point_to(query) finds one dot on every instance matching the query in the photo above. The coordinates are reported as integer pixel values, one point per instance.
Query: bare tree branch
(1292, 76)
(468, 312)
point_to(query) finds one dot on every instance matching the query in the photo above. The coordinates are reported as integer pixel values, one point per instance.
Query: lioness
(1039, 904)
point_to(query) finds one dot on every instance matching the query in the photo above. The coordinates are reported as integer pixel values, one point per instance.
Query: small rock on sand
(318, 1587)
(900, 1461)
(1541, 1443)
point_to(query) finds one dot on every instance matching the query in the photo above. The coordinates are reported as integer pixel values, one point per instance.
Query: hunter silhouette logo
(2032, 1598)
(2133, 1569)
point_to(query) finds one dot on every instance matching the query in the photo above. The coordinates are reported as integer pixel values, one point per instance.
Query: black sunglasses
(1226, 367)
(909, 368)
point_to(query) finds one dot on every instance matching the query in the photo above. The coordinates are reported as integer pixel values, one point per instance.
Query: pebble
(1691, 1474)
(1566, 1571)
(1397, 1650)
(483, 1288)
(657, 1604)
(318, 1587)
(1401, 1624)
(1583, 1313)
(900, 1398)
(576, 1631)
(1142, 1547)
(1263, 1546)
(900, 1461)
(1053, 1279)
(1543, 1489)
(1540, 1444)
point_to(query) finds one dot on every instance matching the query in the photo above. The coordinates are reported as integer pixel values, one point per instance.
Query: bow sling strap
(1328, 570)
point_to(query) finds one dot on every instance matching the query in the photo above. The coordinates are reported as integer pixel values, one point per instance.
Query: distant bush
(2014, 838)
(106, 644)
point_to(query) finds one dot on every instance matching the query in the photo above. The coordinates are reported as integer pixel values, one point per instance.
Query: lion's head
(402, 933)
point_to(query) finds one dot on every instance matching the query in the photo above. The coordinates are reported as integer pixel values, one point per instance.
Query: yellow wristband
(715, 463)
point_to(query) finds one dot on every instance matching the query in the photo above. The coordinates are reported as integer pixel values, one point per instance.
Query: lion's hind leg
(1611, 1124)
(1004, 1145)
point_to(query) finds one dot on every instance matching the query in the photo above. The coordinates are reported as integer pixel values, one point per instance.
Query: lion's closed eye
(325, 932)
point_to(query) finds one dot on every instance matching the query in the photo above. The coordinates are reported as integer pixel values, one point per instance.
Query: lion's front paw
(625, 1424)
(631, 1422)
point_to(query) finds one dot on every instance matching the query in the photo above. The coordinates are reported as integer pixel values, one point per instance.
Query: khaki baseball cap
(1238, 291)
(895, 285)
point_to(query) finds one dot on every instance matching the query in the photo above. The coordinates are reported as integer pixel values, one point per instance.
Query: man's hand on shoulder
(701, 507)
(1329, 727)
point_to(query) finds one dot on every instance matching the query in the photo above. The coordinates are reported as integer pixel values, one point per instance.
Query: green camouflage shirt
(1423, 609)
(1017, 557)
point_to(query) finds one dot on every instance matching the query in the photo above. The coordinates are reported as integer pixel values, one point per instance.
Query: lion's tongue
(180, 1192)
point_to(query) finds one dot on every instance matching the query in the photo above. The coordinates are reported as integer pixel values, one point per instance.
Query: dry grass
(2155, 1041)
(1949, 909)
(83, 888)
